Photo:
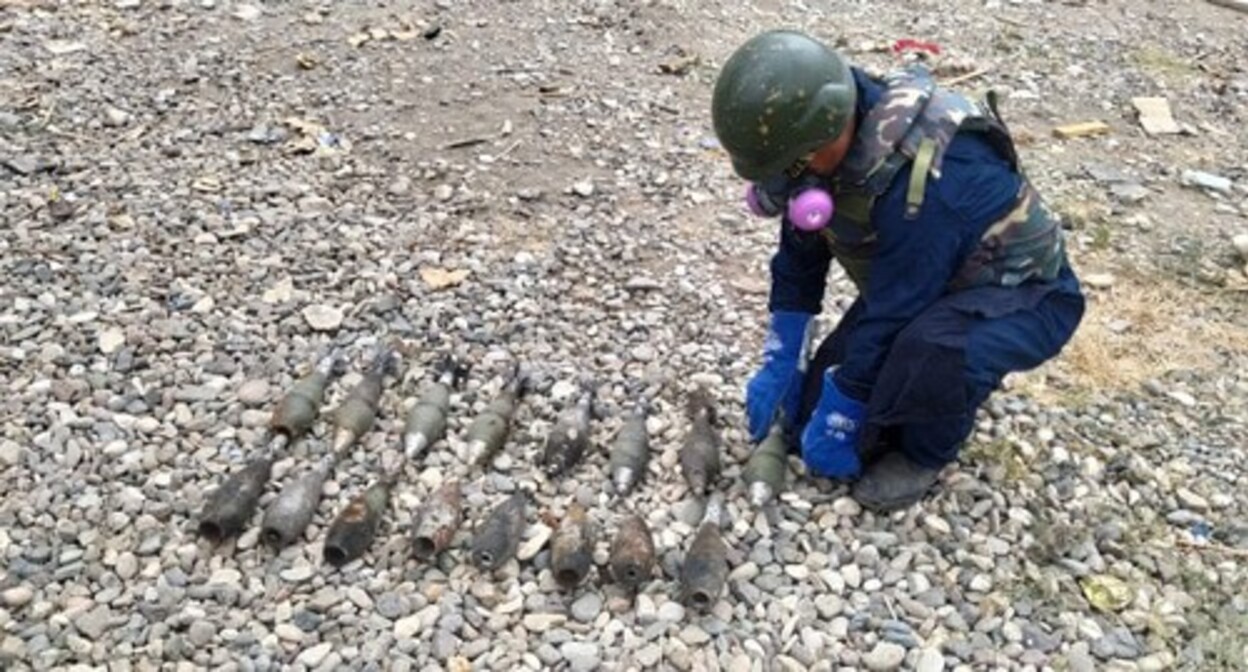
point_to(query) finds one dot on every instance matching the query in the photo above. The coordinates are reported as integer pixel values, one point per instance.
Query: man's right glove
(830, 440)
(778, 383)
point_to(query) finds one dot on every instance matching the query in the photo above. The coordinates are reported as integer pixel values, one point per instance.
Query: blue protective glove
(830, 439)
(778, 383)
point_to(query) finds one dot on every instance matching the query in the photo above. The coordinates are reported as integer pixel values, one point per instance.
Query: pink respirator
(810, 209)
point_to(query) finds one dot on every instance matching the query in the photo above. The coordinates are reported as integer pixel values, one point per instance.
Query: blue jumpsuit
(924, 359)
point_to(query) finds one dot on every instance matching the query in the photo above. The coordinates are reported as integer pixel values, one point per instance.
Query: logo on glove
(840, 426)
(772, 345)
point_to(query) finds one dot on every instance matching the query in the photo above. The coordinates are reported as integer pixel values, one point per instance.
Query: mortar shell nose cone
(760, 493)
(623, 479)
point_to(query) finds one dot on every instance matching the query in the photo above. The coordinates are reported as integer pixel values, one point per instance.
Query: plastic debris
(1106, 593)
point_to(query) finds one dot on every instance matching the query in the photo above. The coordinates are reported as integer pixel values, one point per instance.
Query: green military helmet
(780, 96)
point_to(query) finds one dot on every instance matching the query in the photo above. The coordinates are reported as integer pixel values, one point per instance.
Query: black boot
(893, 483)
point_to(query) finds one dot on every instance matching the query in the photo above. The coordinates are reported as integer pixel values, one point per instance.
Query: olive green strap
(918, 176)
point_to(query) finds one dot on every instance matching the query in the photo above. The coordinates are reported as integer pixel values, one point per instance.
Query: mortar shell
(437, 521)
(629, 454)
(765, 471)
(300, 406)
(353, 531)
(572, 548)
(426, 424)
(704, 570)
(230, 507)
(632, 553)
(486, 437)
(699, 460)
(496, 540)
(289, 515)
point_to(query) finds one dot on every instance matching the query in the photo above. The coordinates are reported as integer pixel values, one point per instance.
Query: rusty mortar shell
(699, 455)
(290, 513)
(495, 541)
(437, 521)
(705, 567)
(631, 452)
(765, 470)
(571, 550)
(230, 507)
(569, 437)
(300, 406)
(632, 553)
(353, 531)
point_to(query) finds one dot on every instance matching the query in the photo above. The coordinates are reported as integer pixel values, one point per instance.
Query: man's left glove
(830, 439)
(778, 383)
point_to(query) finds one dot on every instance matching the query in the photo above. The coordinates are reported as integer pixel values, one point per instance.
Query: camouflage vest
(913, 123)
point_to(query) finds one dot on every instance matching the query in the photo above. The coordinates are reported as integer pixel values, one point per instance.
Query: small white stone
(1099, 280)
(846, 506)
(539, 534)
(288, 632)
(10, 453)
(982, 583)
(1240, 242)
(1183, 398)
(408, 627)
(937, 526)
(694, 635)
(543, 622)
(127, 566)
(225, 576)
(562, 390)
(1191, 500)
(315, 655)
(254, 392)
(930, 660)
(885, 657)
(297, 574)
(323, 318)
(746, 571)
(18, 596)
(147, 424)
(852, 575)
(111, 341)
(649, 655)
(115, 118)
(646, 611)
(798, 572)
(247, 12)
(672, 612)
(581, 656)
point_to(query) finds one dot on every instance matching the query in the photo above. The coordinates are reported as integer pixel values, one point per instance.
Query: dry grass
(1138, 329)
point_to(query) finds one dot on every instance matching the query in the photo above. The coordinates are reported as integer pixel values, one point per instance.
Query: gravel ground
(198, 197)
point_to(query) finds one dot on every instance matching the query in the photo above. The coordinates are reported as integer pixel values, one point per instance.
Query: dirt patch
(1140, 328)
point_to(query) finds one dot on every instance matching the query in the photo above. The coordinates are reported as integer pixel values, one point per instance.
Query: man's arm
(916, 258)
(799, 272)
